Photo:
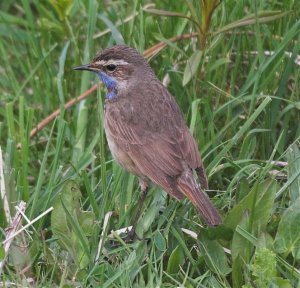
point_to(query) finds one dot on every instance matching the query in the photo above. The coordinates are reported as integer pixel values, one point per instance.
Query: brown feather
(188, 186)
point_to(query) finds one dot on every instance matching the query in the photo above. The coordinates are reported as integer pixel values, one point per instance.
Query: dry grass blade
(13, 235)
(11, 231)
(3, 191)
(100, 245)
(263, 17)
(171, 14)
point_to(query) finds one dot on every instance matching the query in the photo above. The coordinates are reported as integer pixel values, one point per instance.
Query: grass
(240, 95)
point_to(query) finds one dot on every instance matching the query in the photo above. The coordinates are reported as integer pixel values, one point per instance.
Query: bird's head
(118, 67)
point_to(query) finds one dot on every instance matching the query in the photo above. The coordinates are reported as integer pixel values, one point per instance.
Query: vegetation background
(234, 73)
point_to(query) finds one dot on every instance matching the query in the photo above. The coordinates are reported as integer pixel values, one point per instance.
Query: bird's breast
(118, 150)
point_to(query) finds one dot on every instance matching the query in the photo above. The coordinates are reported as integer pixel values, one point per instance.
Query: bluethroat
(146, 131)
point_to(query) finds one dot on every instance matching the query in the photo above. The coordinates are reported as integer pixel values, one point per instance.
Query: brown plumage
(146, 131)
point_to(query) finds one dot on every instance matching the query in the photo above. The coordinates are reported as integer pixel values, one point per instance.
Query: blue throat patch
(110, 84)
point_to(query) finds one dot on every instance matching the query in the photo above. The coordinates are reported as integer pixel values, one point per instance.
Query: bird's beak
(87, 67)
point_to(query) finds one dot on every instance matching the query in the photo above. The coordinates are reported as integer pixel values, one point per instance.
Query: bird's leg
(144, 190)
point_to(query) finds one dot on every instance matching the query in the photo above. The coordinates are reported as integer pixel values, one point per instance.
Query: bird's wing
(191, 156)
(153, 154)
(161, 150)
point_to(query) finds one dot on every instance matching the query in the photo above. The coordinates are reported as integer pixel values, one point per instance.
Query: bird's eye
(111, 67)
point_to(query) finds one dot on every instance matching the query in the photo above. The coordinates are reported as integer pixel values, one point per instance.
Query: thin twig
(159, 46)
(56, 113)
(68, 105)
(11, 232)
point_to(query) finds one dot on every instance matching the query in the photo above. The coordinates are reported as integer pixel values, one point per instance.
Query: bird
(146, 131)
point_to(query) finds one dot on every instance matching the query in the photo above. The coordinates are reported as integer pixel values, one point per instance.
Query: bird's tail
(188, 186)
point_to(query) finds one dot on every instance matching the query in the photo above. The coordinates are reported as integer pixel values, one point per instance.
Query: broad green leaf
(243, 189)
(293, 157)
(159, 241)
(239, 253)
(237, 272)
(287, 239)
(144, 223)
(112, 279)
(130, 259)
(71, 225)
(238, 247)
(213, 254)
(279, 282)
(191, 66)
(259, 203)
(86, 220)
(138, 257)
(176, 259)
(70, 195)
(265, 240)
(219, 232)
(2, 253)
(183, 244)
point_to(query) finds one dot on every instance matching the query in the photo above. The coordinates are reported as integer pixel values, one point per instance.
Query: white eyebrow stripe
(112, 61)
